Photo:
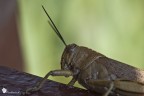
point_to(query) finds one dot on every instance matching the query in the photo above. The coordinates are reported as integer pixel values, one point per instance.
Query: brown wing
(122, 70)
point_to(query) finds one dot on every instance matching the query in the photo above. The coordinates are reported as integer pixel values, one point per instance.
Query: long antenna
(54, 26)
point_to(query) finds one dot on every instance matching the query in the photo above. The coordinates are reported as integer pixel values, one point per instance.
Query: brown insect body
(87, 64)
(82, 62)
(95, 71)
(121, 70)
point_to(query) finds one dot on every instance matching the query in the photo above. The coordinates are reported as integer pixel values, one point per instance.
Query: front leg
(52, 73)
(76, 72)
(72, 82)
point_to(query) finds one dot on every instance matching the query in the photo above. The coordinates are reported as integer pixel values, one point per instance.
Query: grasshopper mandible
(95, 71)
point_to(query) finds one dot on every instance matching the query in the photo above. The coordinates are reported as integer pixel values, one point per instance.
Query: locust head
(67, 57)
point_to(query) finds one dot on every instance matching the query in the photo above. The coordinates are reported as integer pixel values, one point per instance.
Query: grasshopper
(95, 71)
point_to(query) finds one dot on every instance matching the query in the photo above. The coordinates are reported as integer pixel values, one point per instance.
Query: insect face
(67, 57)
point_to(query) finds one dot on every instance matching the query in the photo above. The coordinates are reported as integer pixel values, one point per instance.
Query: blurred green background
(114, 28)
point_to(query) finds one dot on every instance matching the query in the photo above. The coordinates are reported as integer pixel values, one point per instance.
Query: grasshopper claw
(29, 91)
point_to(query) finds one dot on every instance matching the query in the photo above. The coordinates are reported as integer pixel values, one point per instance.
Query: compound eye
(72, 49)
(73, 46)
